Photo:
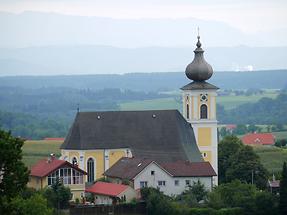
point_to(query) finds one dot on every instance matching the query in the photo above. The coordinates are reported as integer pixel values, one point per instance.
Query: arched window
(187, 111)
(74, 161)
(203, 111)
(91, 170)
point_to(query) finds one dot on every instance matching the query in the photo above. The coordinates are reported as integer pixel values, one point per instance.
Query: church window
(91, 169)
(74, 161)
(203, 111)
(187, 111)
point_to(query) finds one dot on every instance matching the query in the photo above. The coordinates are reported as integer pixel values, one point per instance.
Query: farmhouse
(172, 178)
(45, 172)
(258, 139)
(97, 140)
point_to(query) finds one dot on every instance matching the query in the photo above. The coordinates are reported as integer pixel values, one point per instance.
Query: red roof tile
(259, 138)
(189, 169)
(44, 167)
(107, 189)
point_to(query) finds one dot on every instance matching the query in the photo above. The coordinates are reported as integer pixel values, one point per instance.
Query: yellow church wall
(207, 156)
(74, 154)
(115, 156)
(98, 155)
(204, 136)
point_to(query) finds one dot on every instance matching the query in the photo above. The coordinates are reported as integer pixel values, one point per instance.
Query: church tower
(199, 106)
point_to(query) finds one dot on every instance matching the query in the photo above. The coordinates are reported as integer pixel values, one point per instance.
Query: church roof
(199, 85)
(162, 135)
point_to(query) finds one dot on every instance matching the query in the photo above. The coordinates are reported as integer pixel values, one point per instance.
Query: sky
(247, 15)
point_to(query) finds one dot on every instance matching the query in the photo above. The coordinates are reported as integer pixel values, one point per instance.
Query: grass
(38, 149)
(229, 102)
(272, 157)
(153, 104)
(280, 135)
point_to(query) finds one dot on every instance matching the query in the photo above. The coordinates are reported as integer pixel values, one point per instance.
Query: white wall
(169, 188)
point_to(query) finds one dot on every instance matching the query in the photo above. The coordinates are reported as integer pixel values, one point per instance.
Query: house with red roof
(172, 178)
(258, 139)
(45, 172)
(108, 193)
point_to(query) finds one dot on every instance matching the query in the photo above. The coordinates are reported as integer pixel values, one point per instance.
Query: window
(77, 177)
(74, 161)
(161, 183)
(176, 182)
(152, 172)
(143, 184)
(91, 169)
(66, 175)
(187, 111)
(53, 177)
(204, 154)
(203, 111)
(187, 182)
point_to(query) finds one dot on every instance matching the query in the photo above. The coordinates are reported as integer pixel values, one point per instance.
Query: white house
(171, 178)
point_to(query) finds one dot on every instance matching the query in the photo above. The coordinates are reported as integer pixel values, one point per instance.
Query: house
(45, 172)
(258, 139)
(108, 193)
(172, 178)
(230, 127)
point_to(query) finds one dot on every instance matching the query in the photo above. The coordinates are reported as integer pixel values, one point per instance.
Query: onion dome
(198, 69)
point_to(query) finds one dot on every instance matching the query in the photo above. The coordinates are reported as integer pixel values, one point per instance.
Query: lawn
(38, 149)
(272, 157)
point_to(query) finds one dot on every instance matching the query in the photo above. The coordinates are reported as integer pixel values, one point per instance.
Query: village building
(45, 172)
(266, 139)
(97, 140)
(172, 178)
(108, 193)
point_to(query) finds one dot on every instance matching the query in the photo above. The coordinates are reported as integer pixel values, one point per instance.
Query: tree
(34, 205)
(58, 195)
(194, 194)
(246, 196)
(237, 161)
(245, 166)
(283, 191)
(13, 173)
(227, 147)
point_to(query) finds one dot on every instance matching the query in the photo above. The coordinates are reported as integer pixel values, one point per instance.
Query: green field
(229, 102)
(39, 149)
(272, 157)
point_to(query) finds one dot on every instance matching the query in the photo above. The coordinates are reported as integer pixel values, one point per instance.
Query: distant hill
(77, 60)
(149, 82)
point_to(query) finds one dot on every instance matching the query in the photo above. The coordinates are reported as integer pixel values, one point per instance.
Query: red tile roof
(129, 168)
(107, 189)
(275, 183)
(44, 167)
(259, 138)
(189, 169)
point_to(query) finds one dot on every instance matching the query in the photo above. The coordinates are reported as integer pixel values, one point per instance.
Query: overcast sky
(247, 15)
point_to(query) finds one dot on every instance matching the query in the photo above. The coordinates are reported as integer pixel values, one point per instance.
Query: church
(97, 140)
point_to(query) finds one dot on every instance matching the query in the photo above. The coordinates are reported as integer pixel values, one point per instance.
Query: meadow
(174, 102)
(34, 150)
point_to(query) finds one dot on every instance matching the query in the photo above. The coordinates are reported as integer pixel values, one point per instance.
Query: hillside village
(161, 161)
